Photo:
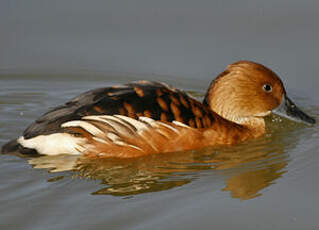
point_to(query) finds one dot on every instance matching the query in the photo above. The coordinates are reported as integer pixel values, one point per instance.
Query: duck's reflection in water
(247, 168)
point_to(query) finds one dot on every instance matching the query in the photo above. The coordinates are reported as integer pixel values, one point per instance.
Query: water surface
(265, 182)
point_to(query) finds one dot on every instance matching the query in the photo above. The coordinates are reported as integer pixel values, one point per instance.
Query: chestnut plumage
(146, 117)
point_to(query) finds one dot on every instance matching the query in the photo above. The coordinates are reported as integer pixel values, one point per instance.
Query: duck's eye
(267, 88)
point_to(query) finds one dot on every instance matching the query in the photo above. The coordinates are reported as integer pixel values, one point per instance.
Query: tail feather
(13, 147)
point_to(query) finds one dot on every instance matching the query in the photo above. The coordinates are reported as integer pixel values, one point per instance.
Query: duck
(144, 117)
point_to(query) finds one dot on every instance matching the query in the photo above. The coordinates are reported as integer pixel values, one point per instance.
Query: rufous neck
(256, 125)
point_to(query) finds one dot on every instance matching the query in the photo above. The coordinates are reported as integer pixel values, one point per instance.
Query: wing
(143, 98)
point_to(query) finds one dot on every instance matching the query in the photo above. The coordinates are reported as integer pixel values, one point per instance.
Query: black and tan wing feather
(143, 98)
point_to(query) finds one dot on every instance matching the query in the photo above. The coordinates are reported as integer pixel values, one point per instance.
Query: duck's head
(246, 92)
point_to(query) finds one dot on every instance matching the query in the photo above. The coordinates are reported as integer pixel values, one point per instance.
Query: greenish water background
(52, 51)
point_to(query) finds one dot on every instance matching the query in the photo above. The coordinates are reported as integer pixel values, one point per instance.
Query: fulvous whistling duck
(143, 117)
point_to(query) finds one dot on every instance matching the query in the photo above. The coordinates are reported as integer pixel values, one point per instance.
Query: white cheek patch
(54, 144)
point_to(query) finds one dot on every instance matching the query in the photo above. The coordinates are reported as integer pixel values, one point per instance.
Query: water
(265, 182)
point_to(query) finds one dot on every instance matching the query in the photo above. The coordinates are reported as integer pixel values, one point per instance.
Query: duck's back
(138, 99)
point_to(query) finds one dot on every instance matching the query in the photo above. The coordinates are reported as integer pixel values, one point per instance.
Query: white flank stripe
(112, 118)
(163, 133)
(115, 123)
(140, 126)
(135, 147)
(149, 121)
(146, 119)
(95, 118)
(168, 126)
(85, 125)
(100, 140)
(180, 124)
(112, 136)
(120, 143)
